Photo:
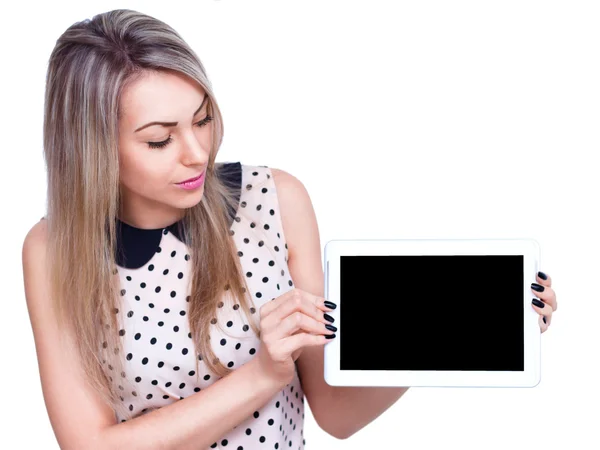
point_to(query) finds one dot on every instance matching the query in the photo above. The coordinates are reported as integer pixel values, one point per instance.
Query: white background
(462, 119)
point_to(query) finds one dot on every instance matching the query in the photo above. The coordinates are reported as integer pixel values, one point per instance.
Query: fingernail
(329, 336)
(542, 275)
(544, 319)
(328, 317)
(537, 303)
(537, 287)
(330, 327)
(330, 305)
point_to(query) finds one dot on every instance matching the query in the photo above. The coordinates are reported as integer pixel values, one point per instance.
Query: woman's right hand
(288, 323)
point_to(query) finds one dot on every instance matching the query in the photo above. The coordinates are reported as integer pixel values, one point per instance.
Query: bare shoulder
(34, 244)
(281, 177)
(292, 194)
(65, 391)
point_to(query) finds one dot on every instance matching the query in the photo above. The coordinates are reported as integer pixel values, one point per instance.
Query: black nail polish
(330, 304)
(330, 327)
(537, 287)
(537, 303)
(328, 317)
(544, 319)
(542, 275)
(330, 336)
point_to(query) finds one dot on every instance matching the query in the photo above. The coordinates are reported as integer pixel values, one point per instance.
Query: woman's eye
(167, 141)
(204, 121)
(160, 144)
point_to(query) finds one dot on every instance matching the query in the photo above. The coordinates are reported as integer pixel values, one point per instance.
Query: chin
(190, 199)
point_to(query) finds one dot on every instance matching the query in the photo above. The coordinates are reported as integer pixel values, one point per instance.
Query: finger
(543, 326)
(547, 294)
(290, 344)
(268, 307)
(542, 308)
(299, 321)
(543, 281)
(302, 301)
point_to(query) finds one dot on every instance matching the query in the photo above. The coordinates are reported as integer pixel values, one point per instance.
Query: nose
(194, 152)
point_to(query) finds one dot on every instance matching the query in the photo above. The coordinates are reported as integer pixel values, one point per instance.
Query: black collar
(136, 246)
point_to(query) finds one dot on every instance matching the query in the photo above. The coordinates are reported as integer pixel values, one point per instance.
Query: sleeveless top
(160, 362)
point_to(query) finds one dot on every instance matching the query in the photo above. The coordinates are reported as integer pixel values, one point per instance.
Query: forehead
(160, 96)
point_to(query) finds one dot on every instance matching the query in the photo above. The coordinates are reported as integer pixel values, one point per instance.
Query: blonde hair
(91, 64)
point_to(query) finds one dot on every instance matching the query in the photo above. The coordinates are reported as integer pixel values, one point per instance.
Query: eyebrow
(171, 124)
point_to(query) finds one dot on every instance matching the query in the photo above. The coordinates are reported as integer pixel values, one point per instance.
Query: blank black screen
(433, 312)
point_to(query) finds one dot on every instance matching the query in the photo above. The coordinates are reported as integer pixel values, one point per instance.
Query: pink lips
(191, 179)
(192, 183)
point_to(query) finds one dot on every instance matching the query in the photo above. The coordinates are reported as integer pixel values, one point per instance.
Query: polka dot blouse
(153, 267)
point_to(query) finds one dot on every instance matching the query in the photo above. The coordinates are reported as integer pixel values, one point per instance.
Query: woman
(170, 313)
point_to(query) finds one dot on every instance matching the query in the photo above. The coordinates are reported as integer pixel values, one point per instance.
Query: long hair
(91, 64)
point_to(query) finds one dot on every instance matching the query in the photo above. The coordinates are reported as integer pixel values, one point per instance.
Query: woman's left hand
(545, 304)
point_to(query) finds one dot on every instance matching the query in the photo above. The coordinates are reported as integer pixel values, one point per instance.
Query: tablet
(432, 312)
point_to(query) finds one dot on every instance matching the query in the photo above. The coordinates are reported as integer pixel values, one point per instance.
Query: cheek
(144, 173)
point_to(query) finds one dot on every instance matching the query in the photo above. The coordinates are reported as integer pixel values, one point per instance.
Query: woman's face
(153, 158)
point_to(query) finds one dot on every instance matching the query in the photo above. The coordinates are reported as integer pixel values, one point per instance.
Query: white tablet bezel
(530, 250)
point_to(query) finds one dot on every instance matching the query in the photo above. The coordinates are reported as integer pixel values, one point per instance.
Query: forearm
(353, 408)
(197, 421)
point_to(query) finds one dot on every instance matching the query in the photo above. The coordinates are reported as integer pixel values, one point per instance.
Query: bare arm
(199, 420)
(339, 410)
(80, 419)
